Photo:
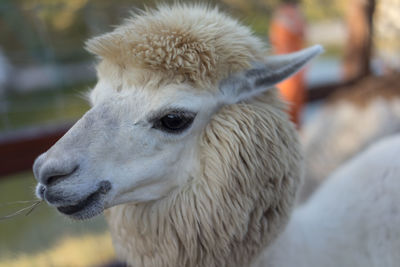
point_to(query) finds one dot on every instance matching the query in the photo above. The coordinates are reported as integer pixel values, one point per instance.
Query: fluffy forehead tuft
(195, 43)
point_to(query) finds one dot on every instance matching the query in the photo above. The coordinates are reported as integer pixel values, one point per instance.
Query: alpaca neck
(235, 207)
(201, 235)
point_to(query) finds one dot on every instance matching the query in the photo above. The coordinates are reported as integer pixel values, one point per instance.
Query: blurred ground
(44, 237)
(86, 250)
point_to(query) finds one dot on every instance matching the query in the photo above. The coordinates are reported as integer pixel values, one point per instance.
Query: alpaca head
(162, 77)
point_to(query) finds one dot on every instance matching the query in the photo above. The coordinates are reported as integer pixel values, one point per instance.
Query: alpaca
(187, 147)
(347, 123)
(353, 219)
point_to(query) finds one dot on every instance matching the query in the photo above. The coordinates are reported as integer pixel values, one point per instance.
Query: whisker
(19, 202)
(33, 207)
(29, 208)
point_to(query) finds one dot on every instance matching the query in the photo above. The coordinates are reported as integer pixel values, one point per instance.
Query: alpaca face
(129, 152)
(138, 143)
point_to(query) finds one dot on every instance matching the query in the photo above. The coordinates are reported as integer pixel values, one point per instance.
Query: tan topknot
(199, 43)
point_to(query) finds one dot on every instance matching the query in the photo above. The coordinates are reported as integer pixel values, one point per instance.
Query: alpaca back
(352, 220)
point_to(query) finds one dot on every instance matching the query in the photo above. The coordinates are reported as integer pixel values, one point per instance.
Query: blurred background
(346, 99)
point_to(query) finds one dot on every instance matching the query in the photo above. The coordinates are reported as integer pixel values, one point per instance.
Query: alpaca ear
(265, 75)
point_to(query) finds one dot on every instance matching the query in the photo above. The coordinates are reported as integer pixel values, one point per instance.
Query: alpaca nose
(48, 171)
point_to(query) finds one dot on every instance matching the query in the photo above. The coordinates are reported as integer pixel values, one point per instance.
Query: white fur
(352, 220)
(341, 130)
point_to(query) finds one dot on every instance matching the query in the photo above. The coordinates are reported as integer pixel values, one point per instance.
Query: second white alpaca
(352, 220)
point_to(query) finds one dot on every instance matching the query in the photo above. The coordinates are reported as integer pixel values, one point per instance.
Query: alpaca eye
(175, 122)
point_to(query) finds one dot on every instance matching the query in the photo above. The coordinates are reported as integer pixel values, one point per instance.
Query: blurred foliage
(318, 10)
(60, 14)
(55, 30)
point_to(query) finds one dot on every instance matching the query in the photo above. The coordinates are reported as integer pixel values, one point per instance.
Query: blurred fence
(18, 149)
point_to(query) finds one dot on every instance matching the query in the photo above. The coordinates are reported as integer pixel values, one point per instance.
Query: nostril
(56, 175)
(40, 190)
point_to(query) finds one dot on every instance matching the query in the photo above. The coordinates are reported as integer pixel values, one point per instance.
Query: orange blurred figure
(287, 35)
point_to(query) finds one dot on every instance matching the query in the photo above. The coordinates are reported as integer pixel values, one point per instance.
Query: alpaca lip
(94, 197)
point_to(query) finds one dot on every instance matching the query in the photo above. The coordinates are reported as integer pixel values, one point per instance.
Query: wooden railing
(18, 149)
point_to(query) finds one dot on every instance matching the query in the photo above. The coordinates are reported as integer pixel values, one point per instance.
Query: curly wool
(196, 44)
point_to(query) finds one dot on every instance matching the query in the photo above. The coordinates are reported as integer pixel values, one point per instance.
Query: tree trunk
(359, 42)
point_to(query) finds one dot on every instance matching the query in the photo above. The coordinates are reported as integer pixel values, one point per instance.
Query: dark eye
(174, 122)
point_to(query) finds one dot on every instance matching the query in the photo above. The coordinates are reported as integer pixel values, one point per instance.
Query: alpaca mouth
(88, 207)
(90, 200)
